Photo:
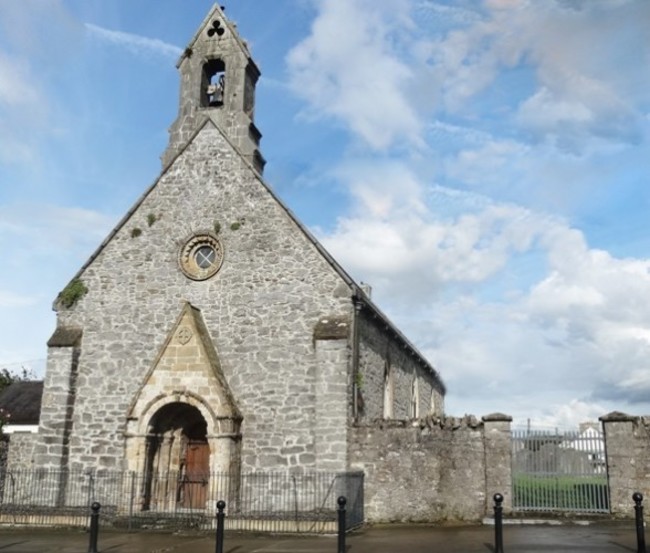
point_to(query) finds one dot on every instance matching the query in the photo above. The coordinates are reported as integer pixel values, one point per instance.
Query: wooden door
(194, 483)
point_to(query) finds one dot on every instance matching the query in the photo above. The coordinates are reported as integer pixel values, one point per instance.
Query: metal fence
(559, 471)
(260, 501)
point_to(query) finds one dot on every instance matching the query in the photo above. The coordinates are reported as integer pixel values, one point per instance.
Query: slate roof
(23, 401)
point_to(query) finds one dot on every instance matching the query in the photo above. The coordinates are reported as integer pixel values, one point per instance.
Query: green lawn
(560, 493)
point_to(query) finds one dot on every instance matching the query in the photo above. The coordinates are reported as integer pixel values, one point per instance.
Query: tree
(8, 377)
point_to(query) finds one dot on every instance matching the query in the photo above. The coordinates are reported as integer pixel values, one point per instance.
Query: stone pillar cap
(617, 416)
(496, 417)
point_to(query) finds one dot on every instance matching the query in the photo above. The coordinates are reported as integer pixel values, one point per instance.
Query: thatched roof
(22, 400)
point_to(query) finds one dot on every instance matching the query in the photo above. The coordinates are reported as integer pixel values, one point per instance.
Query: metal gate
(559, 471)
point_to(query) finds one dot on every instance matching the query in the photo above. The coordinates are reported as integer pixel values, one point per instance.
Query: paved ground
(393, 539)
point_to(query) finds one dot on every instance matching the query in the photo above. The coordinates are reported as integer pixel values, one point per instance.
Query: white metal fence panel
(559, 471)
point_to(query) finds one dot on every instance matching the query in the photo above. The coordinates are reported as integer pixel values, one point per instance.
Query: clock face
(201, 257)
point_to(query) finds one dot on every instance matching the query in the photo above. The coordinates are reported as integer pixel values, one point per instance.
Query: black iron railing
(262, 501)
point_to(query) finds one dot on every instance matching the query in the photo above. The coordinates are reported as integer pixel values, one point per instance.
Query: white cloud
(487, 163)
(398, 233)
(584, 278)
(590, 107)
(580, 330)
(135, 44)
(585, 66)
(544, 110)
(382, 187)
(590, 303)
(349, 69)
(568, 415)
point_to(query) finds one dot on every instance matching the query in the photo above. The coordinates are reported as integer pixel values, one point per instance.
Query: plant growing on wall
(136, 232)
(358, 379)
(72, 293)
(236, 225)
(358, 384)
(8, 376)
(152, 218)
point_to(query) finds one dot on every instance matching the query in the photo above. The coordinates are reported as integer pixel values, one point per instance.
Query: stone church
(210, 331)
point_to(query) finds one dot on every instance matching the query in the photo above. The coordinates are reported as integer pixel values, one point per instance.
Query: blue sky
(482, 164)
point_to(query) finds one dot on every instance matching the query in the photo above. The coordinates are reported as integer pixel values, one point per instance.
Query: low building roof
(22, 400)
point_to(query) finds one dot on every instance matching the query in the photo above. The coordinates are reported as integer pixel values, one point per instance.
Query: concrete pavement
(387, 539)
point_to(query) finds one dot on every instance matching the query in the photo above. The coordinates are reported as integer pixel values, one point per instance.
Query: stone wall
(383, 354)
(18, 451)
(332, 406)
(57, 405)
(627, 447)
(433, 469)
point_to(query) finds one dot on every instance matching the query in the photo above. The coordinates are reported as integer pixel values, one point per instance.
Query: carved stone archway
(169, 426)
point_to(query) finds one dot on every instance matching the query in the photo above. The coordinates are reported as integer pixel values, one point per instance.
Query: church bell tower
(218, 79)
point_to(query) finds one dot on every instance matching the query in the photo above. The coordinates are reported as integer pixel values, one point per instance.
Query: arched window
(415, 399)
(388, 391)
(432, 403)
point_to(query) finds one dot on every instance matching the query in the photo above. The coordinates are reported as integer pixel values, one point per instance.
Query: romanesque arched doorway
(177, 459)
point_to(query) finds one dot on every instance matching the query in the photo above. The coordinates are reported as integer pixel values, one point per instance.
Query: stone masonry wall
(379, 349)
(332, 405)
(57, 407)
(430, 470)
(20, 451)
(260, 309)
(627, 447)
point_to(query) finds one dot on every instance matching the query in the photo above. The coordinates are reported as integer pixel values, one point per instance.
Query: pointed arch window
(389, 412)
(415, 398)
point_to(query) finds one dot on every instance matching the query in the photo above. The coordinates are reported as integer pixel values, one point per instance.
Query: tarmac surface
(394, 539)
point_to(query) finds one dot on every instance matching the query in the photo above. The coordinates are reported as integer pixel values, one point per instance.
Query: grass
(560, 493)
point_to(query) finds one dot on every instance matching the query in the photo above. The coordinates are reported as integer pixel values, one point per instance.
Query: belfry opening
(213, 83)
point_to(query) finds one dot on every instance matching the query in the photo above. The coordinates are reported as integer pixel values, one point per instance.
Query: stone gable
(272, 289)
